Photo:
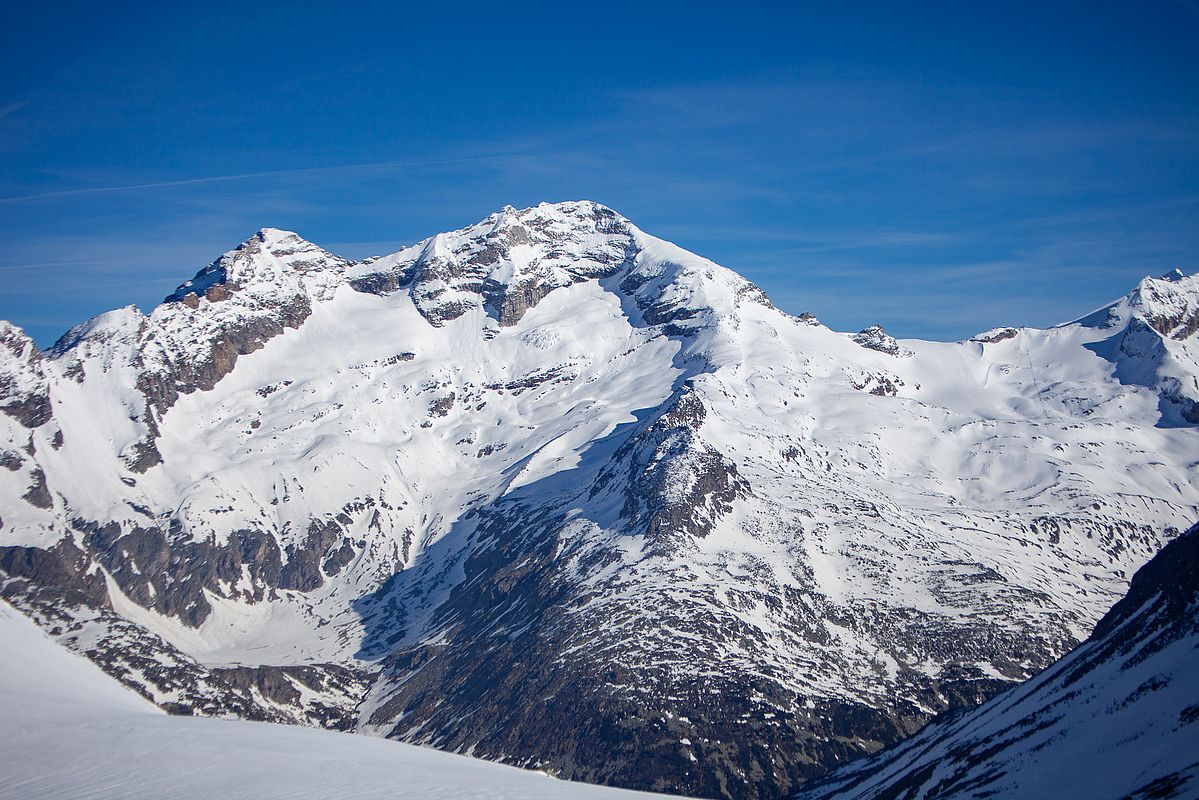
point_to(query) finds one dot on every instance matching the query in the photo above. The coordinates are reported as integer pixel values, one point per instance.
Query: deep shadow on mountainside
(574, 693)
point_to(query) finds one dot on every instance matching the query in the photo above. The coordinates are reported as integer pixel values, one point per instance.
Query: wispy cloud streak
(279, 173)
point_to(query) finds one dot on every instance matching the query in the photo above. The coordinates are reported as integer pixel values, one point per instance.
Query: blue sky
(940, 168)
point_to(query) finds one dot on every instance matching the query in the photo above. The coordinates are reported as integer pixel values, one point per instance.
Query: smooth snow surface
(69, 732)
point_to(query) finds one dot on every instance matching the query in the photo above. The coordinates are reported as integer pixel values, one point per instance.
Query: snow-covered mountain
(70, 732)
(1117, 717)
(551, 491)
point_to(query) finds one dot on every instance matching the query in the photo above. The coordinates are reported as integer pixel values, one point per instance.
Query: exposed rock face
(229, 309)
(879, 384)
(997, 335)
(172, 574)
(674, 485)
(558, 493)
(38, 493)
(24, 392)
(324, 695)
(1120, 709)
(1168, 311)
(271, 279)
(1155, 342)
(507, 263)
(62, 591)
(337, 691)
(875, 338)
(53, 576)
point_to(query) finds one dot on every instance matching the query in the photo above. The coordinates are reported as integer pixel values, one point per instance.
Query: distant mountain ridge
(552, 491)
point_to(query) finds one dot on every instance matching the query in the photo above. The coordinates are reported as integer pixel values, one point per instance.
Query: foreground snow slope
(70, 732)
(552, 491)
(1116, 718)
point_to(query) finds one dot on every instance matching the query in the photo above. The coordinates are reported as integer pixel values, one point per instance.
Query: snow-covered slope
(553, 491)
(70, 732)
(1154, 342)
(1116, 718)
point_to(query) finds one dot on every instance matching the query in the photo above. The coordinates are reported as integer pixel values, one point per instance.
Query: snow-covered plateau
(551, 491)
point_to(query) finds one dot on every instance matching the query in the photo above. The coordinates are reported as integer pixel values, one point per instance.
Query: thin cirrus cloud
(12, 107)
(819, 190)
(332, 170)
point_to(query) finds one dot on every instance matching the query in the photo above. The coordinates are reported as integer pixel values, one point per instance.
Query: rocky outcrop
(236, 340)
(38, 493)
(59, 576)
(879, 384)
(167, 571)
(506, 264)
(875, 338)
(1152, 342)
(24, 392)
(66, 590)
(674, 484)
(323, 551)
(322, 695)
(997, 335)
(1172, 313)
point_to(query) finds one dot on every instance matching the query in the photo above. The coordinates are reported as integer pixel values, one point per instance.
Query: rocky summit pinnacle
(508, 262)
(553, 491)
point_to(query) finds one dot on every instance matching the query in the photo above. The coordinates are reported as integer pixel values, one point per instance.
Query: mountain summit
(555, 492)
(1153, 341)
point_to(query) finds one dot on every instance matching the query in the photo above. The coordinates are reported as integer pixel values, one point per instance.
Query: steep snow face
(70, 731)
(1153, 339)
(550, 462)
(1121, 710)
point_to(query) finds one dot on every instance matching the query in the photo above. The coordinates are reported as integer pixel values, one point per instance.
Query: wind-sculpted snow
(555, 492)
(1117, 717)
